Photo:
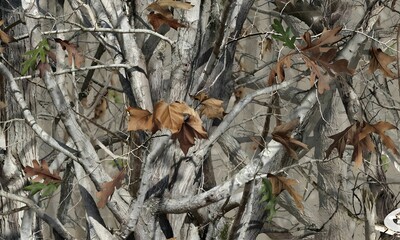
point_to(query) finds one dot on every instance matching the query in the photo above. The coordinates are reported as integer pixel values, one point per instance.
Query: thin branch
(30, 119)
(101, 30)
(53, 222)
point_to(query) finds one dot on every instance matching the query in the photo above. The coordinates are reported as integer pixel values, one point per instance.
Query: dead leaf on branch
(323, 43)
(140, 119)
(319, 56)
(170, 116)
(157, 19)
(280, 183)
(42, 172)
(210, 107)
(108, 188)
(359, 136)
(183, 122)
(380, 60)
(73, 52)
(192, 128)
(282, 134)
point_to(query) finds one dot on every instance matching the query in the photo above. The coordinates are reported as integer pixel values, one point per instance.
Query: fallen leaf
(73, 52)
(280, 183)
(157, 19)
(140, 119)
(108, 188)
(282, 134)
(212, 108)
(42, 172)
(380, 60)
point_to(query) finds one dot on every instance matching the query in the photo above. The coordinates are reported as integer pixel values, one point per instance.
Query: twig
(99, 30)
(53, 222)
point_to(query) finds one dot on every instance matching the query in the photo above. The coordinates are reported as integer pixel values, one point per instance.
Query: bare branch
(53, 222)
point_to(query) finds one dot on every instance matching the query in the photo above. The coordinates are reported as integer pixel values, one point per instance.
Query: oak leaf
(73, 52)
(191, 128)
(42, 172)
(323, 43)
(380, 60)
(359, 135)
(158, 19)
(108, 188)
(282, 134)
(341, 139)
(280, 183)
(212, 108)
(140, 119)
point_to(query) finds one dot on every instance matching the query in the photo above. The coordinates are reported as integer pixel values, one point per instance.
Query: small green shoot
(268, 198)
(47, 189)
(283, 35)
(38, 53)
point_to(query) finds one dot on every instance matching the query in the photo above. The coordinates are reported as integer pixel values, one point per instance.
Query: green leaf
(34, 187)
(385, 162)
(37, 54)
(50, 189)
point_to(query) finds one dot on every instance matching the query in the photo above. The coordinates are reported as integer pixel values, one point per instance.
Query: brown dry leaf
(157, 19)
(319, 55)
(162, 10)
(107, 189)
(4, 37)
(212, 108)
(321, 44)
(200, 96)
(140, 119)
(239, 94)
(379, 128)
(42, 172)
(73, 52)
(359, 135)
(280, 183)
(100, 109)
(191, 128)
(265, 45)
(282, 134)
(170, 116)
(341, 140)
(380, 60)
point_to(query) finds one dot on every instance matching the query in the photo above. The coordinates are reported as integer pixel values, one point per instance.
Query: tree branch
(53, 222)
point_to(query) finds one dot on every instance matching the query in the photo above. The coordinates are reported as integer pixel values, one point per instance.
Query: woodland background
(225, 119)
